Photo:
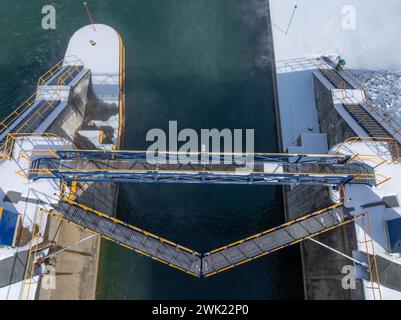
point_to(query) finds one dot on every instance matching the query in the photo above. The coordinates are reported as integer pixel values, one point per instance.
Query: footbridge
(190, 261)
(202, 168)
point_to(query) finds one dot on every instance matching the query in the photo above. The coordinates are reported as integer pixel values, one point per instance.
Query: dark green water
(206, 64)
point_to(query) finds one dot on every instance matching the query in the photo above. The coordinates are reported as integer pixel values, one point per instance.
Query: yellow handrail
(35, 234)
(391, 142)
(7, 148)
(375, 266)
(50, 73)
(17, 112)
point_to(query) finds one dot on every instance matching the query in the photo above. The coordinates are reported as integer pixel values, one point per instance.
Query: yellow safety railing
(16, 113)
(372, 263)
(70, 61)
(50, 73)
(115, 220)
(382, 117)
(392, 144)
(67, 76)
(317, 213)
(49, 171)
(31, 260)
(146, 233)
(228, 154)
(279, 248)
(373, 108)
(6, 149)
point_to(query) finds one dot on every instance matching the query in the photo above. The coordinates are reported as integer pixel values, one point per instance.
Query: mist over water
(206, 64)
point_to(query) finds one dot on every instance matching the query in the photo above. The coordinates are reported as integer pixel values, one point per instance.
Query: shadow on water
(206, 64)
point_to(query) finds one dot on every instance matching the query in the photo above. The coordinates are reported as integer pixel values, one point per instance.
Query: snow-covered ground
(34, 196)
(384, 88)
(358, 196)
(101, 51)
(324, 27)
(364, 32)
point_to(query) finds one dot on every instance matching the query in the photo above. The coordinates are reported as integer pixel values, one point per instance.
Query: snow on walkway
(317, 28)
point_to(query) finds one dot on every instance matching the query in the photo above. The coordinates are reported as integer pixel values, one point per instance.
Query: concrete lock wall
(78, 270)
(322, 281)
(70, 120)
(330, 121)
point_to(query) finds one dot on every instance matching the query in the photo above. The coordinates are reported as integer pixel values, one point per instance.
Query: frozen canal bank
(310, 118)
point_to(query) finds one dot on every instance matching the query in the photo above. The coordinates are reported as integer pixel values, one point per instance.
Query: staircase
(366, 121)
(335, 79)
(65, 76)
(372, 127)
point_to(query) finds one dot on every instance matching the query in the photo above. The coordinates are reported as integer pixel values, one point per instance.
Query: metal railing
(6, 149)
(372, 261)
(51, 73)
(294, 65)
(32, 254)
(392, 145)
(73, 62)
(68, 75)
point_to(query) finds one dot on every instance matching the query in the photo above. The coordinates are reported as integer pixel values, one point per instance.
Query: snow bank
(318, 28)
(384, 88)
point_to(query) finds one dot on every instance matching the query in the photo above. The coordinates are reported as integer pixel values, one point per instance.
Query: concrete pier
(96, 109)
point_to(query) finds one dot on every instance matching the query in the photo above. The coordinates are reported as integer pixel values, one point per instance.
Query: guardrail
(49, 74)
(392, 144)
(17, 112)
(7, 147)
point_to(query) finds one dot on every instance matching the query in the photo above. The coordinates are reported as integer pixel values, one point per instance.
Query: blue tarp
(8, 224)
(394, 231)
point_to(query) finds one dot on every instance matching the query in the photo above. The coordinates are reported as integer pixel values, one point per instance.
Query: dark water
(206, 64)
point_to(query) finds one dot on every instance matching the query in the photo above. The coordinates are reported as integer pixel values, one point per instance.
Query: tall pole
(89, 15)
(40, 260)
(362, 264)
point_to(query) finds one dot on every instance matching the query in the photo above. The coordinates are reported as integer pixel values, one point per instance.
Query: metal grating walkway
(189, 261)
(130, 237)
(335, 79)
(133, 167)
(274, 240)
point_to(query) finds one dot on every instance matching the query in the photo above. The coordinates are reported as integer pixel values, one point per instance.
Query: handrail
(358, 176)
(67, 76)
(391, 142)
(375, 266)
(16, 112)
(274, 229)
(146, 233)
(35, 234)
(70, 60)
(50, 73)
(7, 147)
(209, 153)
